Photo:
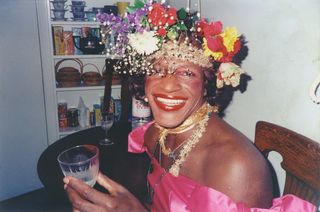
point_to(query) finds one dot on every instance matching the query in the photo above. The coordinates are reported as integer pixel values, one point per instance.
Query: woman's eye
(157, 73)
(186, 73)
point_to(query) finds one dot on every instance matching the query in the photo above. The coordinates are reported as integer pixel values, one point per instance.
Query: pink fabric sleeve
(208, 199)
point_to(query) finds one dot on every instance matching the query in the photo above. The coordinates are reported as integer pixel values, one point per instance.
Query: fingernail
(65, 186)
(66, 180)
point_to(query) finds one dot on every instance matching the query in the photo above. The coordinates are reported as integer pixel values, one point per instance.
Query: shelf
(76, 23)
(86, 56)
(86, 88)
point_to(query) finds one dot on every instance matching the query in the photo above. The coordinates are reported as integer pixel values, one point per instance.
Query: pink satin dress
(181, 193)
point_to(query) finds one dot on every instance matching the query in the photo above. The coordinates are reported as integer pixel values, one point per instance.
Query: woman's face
(175, 91)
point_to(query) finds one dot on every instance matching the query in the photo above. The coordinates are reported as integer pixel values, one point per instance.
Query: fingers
(78, 203)
(82, 195)
(108, 184)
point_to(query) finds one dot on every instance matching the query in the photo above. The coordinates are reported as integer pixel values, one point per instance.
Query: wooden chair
(301, 159)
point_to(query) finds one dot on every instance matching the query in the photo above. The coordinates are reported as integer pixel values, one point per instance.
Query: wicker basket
(92, 77)
(68, 76)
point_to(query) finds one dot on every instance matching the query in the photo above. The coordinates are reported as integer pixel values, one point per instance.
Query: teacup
(91, 15)
(59, 14)
(59, 5)
(78, 3)
(77, 8)
(78, 15)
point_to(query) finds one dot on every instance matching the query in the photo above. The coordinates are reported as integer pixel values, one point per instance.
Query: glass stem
(107, 135)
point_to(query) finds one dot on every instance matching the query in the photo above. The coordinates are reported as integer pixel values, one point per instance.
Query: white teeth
(170, 102)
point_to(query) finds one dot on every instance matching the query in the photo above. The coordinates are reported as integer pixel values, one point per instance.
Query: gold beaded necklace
(199, 118)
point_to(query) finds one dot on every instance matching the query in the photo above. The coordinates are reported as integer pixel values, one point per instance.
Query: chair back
(301, 159)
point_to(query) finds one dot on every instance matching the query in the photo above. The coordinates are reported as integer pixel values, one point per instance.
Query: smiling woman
(198, 161)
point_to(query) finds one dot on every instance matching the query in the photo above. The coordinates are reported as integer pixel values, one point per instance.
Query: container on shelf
(68, 76)
(78, 3)
(141, 113)
(59, 4)
(62, 114)
(111, 9)
(91, 77)
(68, 43)
(73, 114)
(59, 14)
(90, 15)
(58, 43)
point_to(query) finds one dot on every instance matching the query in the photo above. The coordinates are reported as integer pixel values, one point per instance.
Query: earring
(145, 99)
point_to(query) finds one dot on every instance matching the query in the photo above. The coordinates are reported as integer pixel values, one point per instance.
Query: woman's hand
(84, 198)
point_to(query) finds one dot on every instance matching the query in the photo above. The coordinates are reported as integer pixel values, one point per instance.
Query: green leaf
(144, 22)
(182, 27)
(182, 14)
(131, 9)
(138, 4)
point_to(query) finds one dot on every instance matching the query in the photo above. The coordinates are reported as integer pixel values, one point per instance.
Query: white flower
(145, 42)
(228, 74)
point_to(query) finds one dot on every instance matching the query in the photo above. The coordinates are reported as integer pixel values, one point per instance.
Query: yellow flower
(208, 52)
(230, 36)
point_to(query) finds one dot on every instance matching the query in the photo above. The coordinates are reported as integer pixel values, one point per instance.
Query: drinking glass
(81, 162)
(106, 123)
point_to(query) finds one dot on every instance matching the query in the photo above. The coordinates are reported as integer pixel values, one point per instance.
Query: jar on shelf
(73, 114)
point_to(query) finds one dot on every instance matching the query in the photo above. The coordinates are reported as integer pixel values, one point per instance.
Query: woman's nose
(169, 83)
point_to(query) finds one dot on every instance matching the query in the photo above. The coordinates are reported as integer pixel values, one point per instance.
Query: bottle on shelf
(141, 113)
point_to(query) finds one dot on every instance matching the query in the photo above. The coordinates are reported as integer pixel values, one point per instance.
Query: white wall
(284, 59)
(22, 114)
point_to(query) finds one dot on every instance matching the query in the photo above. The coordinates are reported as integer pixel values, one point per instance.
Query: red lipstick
(168, 102)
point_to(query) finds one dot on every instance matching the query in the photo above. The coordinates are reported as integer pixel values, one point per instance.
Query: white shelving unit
(54, 94)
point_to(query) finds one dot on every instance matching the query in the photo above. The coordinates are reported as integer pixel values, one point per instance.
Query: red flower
(200, 26)
(237, 46)
(228, 56)
(156, 15)
(172, 16)
(162, 31)
(212, 29)
(215, 44)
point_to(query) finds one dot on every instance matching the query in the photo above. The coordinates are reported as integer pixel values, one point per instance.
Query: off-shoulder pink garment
(181, 193)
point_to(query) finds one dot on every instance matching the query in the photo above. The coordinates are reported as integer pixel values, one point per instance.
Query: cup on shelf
(59, 4)
(98, 10)
(111, 9)
(78, 3)
(59, 14)
(78, 12)
(90, 15)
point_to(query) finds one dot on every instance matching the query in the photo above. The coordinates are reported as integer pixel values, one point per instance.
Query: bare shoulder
(235, 167)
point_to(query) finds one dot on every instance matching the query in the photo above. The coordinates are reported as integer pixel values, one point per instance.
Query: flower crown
(153, 30)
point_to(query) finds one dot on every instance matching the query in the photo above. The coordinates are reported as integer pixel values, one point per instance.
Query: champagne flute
(106, 123)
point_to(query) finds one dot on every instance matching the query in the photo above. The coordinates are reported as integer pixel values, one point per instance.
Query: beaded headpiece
(183, 51)
(153, 30)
